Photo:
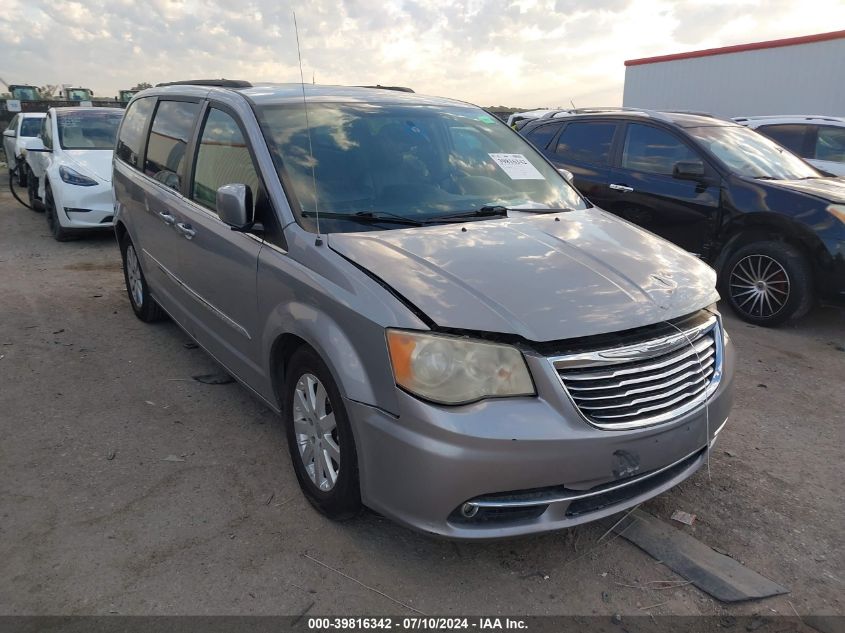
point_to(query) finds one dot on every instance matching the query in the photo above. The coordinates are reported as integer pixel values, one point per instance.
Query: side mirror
(566, 174)
(234, 206)
(35, 145)
(10, 133)
(688, 170)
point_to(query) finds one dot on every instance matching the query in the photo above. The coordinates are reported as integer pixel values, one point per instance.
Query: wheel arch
(760, 227)
(120, 231)
(366, 380)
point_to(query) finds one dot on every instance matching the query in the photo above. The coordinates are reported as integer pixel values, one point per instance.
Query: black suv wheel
(768, 283)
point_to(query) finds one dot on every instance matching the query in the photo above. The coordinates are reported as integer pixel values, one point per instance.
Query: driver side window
(654, 151)
(223, 158)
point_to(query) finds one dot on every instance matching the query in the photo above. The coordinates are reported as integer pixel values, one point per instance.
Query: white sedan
(70, 168)
(23, 127)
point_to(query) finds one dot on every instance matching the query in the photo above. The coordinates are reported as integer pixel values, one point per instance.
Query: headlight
(838, 211)
(73, 177)
(452, 370)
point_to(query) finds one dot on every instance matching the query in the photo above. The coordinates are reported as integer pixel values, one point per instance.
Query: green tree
(143, 86)
(48, 91)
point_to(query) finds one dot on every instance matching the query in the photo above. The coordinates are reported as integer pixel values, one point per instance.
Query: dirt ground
(127, 487)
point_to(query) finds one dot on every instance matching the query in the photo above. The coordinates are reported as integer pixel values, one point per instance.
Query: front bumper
(86, 207)
(422, 467)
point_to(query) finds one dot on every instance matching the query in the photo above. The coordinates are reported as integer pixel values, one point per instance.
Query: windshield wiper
(366, 217)
(543, 210)
(483, 212)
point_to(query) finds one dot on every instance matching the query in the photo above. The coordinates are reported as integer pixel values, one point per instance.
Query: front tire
(320, 440)
(768, 283)
(59, 233)
(143, 305)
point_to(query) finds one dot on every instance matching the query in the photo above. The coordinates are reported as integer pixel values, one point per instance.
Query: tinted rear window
(166, 150)
(789, 136)
(586, 142)
(543, 134)
(31, 126)
(131, 140)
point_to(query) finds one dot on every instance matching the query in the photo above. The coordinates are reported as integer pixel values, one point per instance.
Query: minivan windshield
(89, 129)
(414, 162)
(748, 153)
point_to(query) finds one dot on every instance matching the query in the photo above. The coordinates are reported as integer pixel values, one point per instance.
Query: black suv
(768, 222)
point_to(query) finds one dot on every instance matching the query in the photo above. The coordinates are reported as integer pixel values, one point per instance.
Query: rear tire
(59, 233)
(20, 172)
(32, 190)
(143, 305)
(320, 440)
(768, 283)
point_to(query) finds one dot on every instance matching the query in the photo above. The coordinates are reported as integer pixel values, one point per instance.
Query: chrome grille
(645, 383)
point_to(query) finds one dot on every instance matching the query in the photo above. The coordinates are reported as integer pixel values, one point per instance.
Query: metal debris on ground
(172, 458)
(722, 577)
(683, 517)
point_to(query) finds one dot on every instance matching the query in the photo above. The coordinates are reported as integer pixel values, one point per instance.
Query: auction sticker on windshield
(517, 167)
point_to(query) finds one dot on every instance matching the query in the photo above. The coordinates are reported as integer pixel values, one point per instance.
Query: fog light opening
(469, 510)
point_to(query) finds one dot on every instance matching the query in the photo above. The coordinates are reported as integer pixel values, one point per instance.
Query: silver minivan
(453, 336)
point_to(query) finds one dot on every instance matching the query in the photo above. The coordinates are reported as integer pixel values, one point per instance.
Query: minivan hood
(831, 189)
(541, 277)
(95, 162)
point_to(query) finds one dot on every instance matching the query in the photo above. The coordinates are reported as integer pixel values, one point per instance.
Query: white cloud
(511, 52)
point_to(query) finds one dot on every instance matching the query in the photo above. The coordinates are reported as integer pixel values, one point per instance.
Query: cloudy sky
(490, 52)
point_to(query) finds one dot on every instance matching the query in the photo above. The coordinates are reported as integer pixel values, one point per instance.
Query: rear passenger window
(789, 136)
(173, 125)
(222, 159)
(586, 142)
(831, 144)
(131, 139)
(543, 134)
(654, 151)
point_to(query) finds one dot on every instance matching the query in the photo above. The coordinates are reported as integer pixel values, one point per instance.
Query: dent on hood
(542, 278)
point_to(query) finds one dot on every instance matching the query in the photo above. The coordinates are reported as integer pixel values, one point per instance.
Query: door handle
(168, 219)
(186, 230)
(623, 188)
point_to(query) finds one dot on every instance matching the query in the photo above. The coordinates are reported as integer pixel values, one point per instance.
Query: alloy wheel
(759, 286)
(315, 430)
(133, 275)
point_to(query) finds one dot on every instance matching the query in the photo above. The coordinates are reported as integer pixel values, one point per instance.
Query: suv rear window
(587, 142)
(790, 136)
(131, 139)
(173, 125)
(543, 134)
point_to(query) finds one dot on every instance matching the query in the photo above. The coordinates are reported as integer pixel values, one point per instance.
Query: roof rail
(606, 109)
(694, 112)
(553, 113)
(396, 88)
(214, 83)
